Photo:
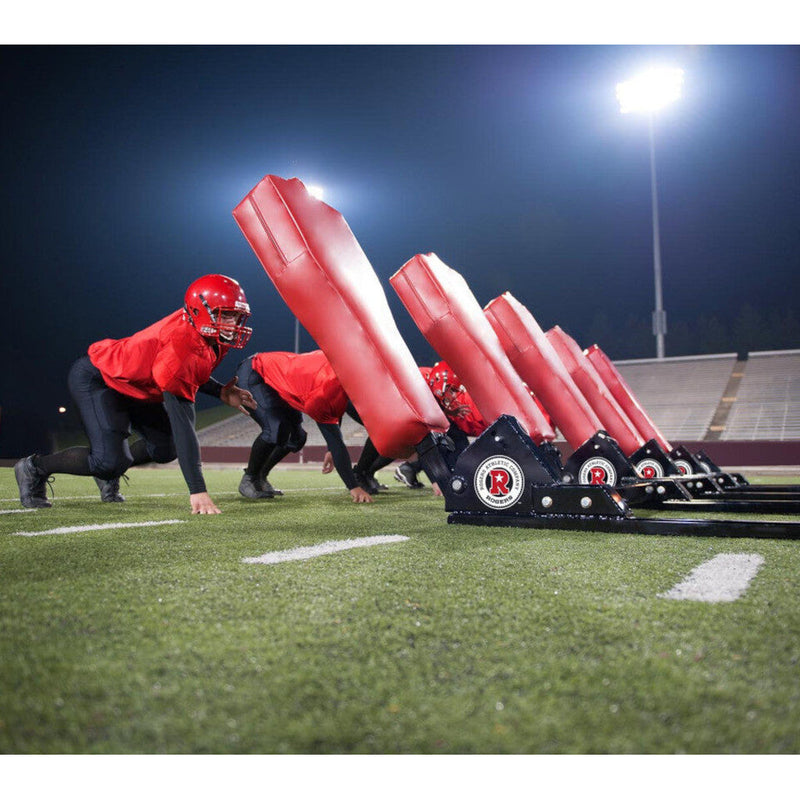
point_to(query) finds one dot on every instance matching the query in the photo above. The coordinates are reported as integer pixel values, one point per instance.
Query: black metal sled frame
(735, 505)
(731, 483)
(696, 473)
(682, 494)
(764, 491)
(601, 454)
(702, 478)
(503, 479)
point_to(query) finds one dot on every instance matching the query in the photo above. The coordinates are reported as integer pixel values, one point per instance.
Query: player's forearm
(212, 387)
(182, 418)
(339, 453)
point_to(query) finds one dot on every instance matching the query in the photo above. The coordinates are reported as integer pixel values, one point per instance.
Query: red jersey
(306, 381)
(168, 356)
(455, 401)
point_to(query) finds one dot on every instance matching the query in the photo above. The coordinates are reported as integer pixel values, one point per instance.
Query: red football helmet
(454, 400)
(216, 306)
(445, 385)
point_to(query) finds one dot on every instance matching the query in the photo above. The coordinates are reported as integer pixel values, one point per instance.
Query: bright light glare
(62, 410)
(651, 90)
(315, 191)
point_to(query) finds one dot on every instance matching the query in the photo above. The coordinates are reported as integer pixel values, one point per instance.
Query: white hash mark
(107, 527)
(723, 579)
(323, 549)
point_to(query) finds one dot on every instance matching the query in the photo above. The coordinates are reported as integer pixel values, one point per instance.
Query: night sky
(121, 166)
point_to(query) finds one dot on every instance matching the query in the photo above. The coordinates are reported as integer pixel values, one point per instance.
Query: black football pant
(280, 424)
(109, 417)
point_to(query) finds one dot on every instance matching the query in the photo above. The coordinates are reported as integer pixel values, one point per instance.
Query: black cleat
(405, 473)
(32, 484)
(374, 486)
(109, 490)
(267, 487)
(249, 489)
(366, 482)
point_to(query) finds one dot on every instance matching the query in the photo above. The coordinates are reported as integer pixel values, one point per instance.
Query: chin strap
(211, 316)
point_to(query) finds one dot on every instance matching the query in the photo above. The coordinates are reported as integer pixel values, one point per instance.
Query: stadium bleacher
(239, 431)
(767, 405)
(680, 394)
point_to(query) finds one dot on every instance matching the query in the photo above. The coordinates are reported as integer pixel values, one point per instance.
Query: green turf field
(161, 639)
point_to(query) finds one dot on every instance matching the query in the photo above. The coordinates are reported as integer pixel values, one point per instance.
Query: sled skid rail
(762, 491)
(737, 506)
(503, 479)
(726, 529)
(699, 492)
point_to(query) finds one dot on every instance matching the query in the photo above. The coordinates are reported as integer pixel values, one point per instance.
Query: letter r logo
(500, 479)
(598, 475)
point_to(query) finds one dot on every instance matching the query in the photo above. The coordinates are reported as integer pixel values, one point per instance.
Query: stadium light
(648, 93)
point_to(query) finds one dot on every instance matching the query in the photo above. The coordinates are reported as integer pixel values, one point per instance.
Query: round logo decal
(499, 482)
(597, 470)
(684, 466)
(650, 468)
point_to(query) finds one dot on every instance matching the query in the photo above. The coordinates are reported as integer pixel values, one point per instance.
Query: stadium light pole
(649, 92)
(318, 192)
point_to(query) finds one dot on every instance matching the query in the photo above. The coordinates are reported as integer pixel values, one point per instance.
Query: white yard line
(96, 496)
(323, 549)
(108, 527)
(17, 510)
(723, 579)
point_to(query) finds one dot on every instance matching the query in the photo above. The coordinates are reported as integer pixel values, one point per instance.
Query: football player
(460, 410)
(286, 386)
(147, 383)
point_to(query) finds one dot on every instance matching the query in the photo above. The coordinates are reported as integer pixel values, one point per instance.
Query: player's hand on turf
(203, 504)
(436, 490)
(235, 397)
(360, 496)
(327, 463)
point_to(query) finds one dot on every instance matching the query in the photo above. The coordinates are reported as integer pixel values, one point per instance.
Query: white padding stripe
(323, 549)
(109, 527)
(721, 580)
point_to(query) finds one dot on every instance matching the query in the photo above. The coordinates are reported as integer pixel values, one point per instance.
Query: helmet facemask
(229, 326)
(223, 323)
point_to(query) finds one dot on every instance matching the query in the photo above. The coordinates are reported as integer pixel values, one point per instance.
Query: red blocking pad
(319, 269)
(451, 319)
(624, 396)
(615, 421)
(538, 364)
